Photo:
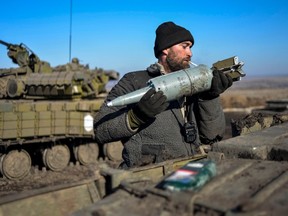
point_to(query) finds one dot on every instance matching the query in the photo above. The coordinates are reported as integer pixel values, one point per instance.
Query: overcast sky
(120, 35)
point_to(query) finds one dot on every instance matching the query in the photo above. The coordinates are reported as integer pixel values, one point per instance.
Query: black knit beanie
(169, 34)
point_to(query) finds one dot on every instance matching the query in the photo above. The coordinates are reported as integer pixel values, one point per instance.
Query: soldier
(74, 65)
(154, 130)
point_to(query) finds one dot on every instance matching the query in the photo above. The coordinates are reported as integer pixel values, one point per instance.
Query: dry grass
(243, 98)
(255, 92)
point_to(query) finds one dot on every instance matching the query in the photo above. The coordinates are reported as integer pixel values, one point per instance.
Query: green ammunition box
(75, 115)
(39, 107)
(45, 123)
(84, 107)
(8, 116)
(59, 115)
(27, 124)
(27, 132)
(58, 130)
(76, 130)
(45, 115)
(23, 107)
(44, 131)
(71, 106)
(27, 116)
(8, 134)
(75, 123)
(56, 106)
(8, 125)
(59, 122)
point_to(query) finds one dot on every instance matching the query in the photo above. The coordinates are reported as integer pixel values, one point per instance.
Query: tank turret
(36, 78)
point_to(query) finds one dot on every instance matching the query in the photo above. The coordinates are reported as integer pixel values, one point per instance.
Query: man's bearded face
(176, 62)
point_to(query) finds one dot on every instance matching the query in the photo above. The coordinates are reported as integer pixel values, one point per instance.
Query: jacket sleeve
(211, 120)
(111, 123)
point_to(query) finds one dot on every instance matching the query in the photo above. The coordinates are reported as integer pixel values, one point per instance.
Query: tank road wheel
(16, 164)
(86, 153)
(57, 157)
(113, 150)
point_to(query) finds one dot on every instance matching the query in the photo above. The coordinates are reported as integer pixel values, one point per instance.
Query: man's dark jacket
(163, 138)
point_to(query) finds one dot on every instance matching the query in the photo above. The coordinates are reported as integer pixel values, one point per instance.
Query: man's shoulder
(133, 80)
(137, 77)
(152, 71)
(136, 73)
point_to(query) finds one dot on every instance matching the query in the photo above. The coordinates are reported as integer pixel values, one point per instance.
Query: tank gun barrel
(19, 54)
(5, 43)
(24, 57)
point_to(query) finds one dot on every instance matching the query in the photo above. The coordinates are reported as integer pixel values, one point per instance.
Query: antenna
(70, 36)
